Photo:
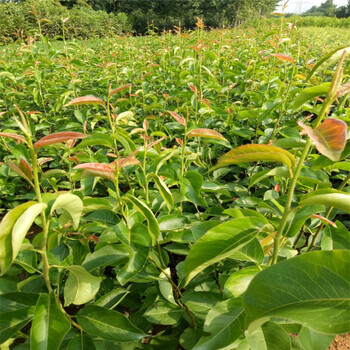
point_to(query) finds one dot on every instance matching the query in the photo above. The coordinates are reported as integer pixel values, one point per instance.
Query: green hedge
(21, 20)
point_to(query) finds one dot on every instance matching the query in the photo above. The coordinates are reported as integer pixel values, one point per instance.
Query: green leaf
(16, 310)
(309, 93)
(163, 190)
(153, 227)
(49, 326)
(329, 59)
(225, 323)
(254, 153)
(252, 252)
(165, 287)
(340, 237)
(219, 243)
(81, 342)
(6, 225)
(107, 255)
(80, 286)
(311, 339)
(270, 336)
(23, 224)
(296, 219)
(311, 289)
(71, 204)
(200, 302)
(327, 197)
(108, 324)
(139, 246)
(109, 299)
(97, 139)
(164, 313)
(239, 281)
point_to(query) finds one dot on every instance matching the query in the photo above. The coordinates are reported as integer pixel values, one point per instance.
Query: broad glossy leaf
(110, 299)
(164, 190)
(329, 137)
(16, 310)
(269, 336)
(164, 313)
(58, 137)
(81, 342)
(108, 324)
(251, 252)
(71, 204)
(80, 286)
(309, 93)
(328, 197)
(6, 225)
(254, 153)
(107, 255)
(206, 133)
(296, 219)
(178, 118)
(23, 224)
(311, 289)
(225, 323)
(139, 246)
(239, 281)
(200, 302)
(153, 227)
(49, 326)
(165, 287)
(336, 237)
(219, 243)
(311, 339)
(85, 100)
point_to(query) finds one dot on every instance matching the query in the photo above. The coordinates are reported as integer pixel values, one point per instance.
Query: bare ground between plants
(341, 342)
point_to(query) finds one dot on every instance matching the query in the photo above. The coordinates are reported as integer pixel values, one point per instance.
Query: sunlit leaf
(283, 57)
(108, 324)
(309, 93)
(311, 289)
(97, 169)
(80, 286)
(120, 88)
(50, 325)
(58, 137)
(178, 118)
(329, 137)
(219, 243)
(206, 133)
(327, 197)
(85, 100)
(254, 153)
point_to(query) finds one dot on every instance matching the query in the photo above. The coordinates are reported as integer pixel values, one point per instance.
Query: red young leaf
(193, 88)
(283, 57)
(322, 218)
(120, 88)
(85, 100)
(329, 137)
(58, 137)
(156, 142)
(207, 133)
(13, 136)
(178, 118)
(26, 168)
(17, 170)
(124, 162)
(97, 169)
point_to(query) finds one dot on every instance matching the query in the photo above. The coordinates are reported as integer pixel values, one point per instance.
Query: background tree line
(98, 17)
(329, 9)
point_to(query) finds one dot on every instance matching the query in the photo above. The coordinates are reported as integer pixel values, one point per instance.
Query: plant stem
(287, 207)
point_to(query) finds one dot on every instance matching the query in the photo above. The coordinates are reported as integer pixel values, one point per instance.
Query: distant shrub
(23, 20)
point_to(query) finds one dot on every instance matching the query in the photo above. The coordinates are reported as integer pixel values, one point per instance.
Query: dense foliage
(104, 17)
(185, 191)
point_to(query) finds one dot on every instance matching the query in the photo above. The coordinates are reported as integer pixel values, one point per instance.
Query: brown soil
(341, 342)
